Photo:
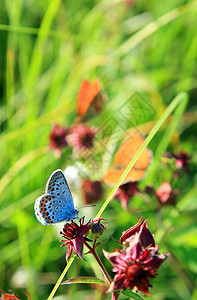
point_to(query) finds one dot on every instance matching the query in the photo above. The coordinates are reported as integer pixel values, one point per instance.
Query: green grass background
(47, 49)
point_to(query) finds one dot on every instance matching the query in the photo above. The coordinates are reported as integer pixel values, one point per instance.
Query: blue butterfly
(56, 205)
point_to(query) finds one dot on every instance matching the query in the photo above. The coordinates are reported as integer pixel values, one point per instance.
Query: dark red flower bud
(98, 229)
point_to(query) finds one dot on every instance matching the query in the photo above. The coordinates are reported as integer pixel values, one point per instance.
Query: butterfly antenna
(90, 205)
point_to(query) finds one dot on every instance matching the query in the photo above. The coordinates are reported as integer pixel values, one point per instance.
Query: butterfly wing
(56, 205)
(51, 210)
(87, 93)
(125, 153)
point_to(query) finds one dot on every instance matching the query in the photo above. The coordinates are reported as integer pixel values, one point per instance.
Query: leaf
(132, 295)
(79, 279)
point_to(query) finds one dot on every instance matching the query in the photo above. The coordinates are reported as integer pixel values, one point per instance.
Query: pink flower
(92, 191)
(166, 195)
(58, 138)
(125, 192)
(81, 137)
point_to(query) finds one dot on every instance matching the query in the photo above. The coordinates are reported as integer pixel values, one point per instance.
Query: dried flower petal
(146, 237)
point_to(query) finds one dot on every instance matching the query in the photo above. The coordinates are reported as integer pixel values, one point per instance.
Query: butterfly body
(56, 205)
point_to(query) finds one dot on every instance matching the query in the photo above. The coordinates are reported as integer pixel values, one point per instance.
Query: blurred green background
(47, 49)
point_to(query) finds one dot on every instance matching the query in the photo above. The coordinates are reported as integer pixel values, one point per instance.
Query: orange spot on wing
(125, 153)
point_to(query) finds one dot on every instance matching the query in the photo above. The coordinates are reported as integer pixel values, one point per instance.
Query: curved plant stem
(93, 251)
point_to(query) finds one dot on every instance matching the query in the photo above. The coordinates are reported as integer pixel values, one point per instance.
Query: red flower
(92, 190)
(166, 195)
(134, 266)
(144, 234)
(81, 137)
(58, 139)
(125, 192)
(6, 296)
(75, 236)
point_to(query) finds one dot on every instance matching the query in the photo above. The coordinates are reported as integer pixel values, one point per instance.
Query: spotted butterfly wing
(56, 205)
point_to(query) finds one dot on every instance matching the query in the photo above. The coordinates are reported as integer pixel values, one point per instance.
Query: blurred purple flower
(125, 192)
(58, 138)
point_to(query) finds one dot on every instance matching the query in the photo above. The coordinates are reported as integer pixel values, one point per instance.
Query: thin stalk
(61, 278)
(99, 262)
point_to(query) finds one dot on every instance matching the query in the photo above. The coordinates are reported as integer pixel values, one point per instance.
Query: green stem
(61, 278)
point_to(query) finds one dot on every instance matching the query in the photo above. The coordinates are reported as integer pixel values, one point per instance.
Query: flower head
(75, 236)
(81, 137)
(92, 190)
(125, 192)
(58, 138)
(138, 261)
(166, 195)
(134, 266)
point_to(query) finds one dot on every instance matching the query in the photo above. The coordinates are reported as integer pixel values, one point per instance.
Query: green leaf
(131, 295)
(79, 279)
